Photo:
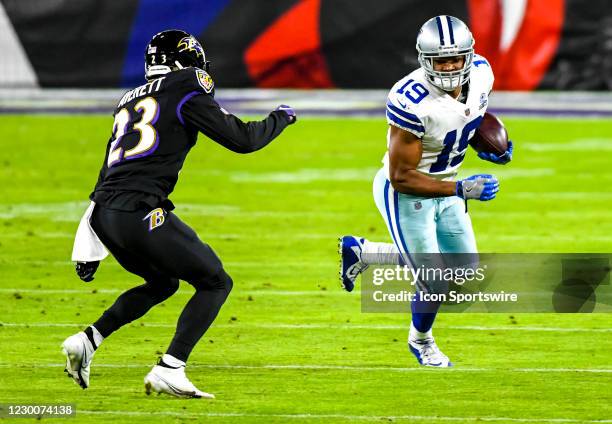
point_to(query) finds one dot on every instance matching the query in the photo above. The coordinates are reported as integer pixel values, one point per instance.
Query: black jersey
(157, 124)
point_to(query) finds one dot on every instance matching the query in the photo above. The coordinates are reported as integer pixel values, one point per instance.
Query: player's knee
(221, 281)
(227, 282)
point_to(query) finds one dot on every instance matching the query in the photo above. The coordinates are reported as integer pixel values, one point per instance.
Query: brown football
(491, 136)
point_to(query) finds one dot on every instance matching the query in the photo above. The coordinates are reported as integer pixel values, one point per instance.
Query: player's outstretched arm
(405, 151)
(205, 114)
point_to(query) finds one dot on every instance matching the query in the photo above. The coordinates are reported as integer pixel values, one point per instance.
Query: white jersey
(444, 124)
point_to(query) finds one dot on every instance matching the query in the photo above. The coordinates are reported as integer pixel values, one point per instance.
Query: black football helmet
(171, 50)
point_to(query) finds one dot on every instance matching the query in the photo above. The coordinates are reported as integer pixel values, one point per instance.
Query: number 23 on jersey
(147, 142)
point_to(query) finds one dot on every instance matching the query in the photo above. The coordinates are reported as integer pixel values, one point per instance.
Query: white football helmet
(444, 36)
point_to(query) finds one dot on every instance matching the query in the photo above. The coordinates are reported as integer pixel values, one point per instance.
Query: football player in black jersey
(155, 126)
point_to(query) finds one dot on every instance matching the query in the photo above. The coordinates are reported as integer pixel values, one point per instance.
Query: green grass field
(290, 345)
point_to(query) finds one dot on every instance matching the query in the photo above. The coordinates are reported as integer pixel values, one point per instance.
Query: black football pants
(163, 255)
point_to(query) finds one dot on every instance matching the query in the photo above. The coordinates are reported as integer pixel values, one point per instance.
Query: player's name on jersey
(147, 88)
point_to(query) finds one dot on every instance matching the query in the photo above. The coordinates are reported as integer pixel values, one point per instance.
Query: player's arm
(405, 151)
(205, 114)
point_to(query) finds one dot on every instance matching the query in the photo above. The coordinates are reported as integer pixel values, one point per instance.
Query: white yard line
(595, 370)
(569, 214)
(545, 238)
(332, 326)
(421, 418)
(72, 211)
(561, 195)
(318, 367)
(525, 328)
(262, 367)
(241, 264)
(508, 173)
(188, 292)
(307, 175)
(209, 236)
(331, 238)
(576, 145)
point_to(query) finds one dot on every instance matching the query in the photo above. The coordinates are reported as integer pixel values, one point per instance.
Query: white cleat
(172, 381)
(79, 351)
(428, 353)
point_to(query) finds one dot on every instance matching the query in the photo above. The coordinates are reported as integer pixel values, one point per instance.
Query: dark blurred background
(531, 44)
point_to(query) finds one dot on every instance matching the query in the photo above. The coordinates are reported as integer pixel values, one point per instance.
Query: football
(491, 136)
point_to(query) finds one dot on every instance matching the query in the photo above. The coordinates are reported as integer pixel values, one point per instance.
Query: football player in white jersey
(432, 114)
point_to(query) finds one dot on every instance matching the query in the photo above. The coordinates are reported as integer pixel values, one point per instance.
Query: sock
(169, 361)
(419, 335)
(94, 336)
(423, 316)
(380, 254)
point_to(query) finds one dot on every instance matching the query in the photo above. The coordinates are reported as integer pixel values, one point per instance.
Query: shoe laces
(429, 348)
(353, 272)
(360, 266)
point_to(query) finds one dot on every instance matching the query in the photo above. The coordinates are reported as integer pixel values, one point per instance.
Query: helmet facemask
(447, 80)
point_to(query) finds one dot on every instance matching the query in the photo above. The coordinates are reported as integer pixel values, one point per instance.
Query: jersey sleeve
(482, 66)
(198, 109)
(204, 113)
(401, 114)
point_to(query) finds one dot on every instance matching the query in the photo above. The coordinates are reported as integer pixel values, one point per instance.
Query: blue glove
(500, 160)
(289, 111)
(480, 187)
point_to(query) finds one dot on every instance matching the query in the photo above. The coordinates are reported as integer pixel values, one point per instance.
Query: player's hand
(289, 111)
(479, 187)
(500, 160)
(86, 270)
